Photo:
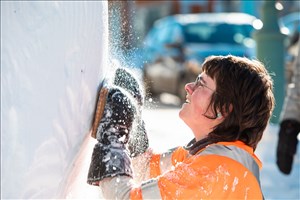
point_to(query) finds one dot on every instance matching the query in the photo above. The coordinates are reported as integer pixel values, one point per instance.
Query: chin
(182, 116)
(181, 113)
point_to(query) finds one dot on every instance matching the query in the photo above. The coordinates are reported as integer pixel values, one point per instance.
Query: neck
(200, 132)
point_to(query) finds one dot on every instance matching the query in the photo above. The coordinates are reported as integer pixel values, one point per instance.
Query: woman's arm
(150, 165)
(207, 177)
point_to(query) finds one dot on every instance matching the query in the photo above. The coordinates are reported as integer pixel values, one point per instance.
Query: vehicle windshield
(217, 33)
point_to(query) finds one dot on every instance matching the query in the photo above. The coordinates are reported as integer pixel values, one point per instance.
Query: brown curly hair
(244, 95)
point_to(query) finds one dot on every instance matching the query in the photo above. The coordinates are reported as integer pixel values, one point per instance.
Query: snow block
(53, 57)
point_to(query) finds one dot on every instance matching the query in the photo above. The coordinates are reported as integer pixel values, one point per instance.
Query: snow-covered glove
(110, 156)
(138, 140)
(125, 79)
(118, 117)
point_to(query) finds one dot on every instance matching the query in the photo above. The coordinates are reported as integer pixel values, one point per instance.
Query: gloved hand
(125, 79)
(118, 117)
(138, 140)
(110, 156)
(287, 145)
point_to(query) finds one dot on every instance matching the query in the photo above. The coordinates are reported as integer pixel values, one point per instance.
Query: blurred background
(168, 40)
(133, 23)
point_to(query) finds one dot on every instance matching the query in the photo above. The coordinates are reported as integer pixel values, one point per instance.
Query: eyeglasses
(200, 82)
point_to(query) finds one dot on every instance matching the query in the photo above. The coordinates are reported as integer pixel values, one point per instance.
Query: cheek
(194, 111)
(200, 102)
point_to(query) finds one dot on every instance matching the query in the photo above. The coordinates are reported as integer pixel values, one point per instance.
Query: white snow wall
(53, 56)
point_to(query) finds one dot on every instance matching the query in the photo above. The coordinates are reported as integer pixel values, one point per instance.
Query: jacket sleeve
(160, 163)
(194, 178)
(150, 165)
(146, 167)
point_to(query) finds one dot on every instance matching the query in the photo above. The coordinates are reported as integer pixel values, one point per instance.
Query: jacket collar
(194, 147)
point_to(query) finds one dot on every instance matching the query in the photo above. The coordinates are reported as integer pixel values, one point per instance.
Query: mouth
(187, 100)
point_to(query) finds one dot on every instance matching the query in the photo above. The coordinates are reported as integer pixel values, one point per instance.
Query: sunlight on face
(198, 97)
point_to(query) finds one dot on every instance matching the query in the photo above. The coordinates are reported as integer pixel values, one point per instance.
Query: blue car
(176, 46)
(290, 23)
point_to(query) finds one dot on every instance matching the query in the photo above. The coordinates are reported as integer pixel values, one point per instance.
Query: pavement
(166, 130)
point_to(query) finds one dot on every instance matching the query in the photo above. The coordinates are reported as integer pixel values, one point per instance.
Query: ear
(225, 113)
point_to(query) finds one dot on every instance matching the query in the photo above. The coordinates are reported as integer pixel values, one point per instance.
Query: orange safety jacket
(225, 170)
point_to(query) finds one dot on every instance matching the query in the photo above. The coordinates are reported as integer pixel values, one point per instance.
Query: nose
(189, 88)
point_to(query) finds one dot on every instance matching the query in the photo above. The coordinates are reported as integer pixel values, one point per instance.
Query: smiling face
(196, 112)
(237, 89)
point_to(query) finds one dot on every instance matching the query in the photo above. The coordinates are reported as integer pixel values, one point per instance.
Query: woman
(227, 108)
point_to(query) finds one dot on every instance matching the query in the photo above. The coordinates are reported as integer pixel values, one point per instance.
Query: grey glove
(125, 79)
(138, 140)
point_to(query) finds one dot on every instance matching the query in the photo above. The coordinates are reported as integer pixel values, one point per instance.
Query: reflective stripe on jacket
(223, 170)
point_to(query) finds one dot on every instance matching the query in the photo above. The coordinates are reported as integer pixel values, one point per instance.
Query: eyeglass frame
(198, 82)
